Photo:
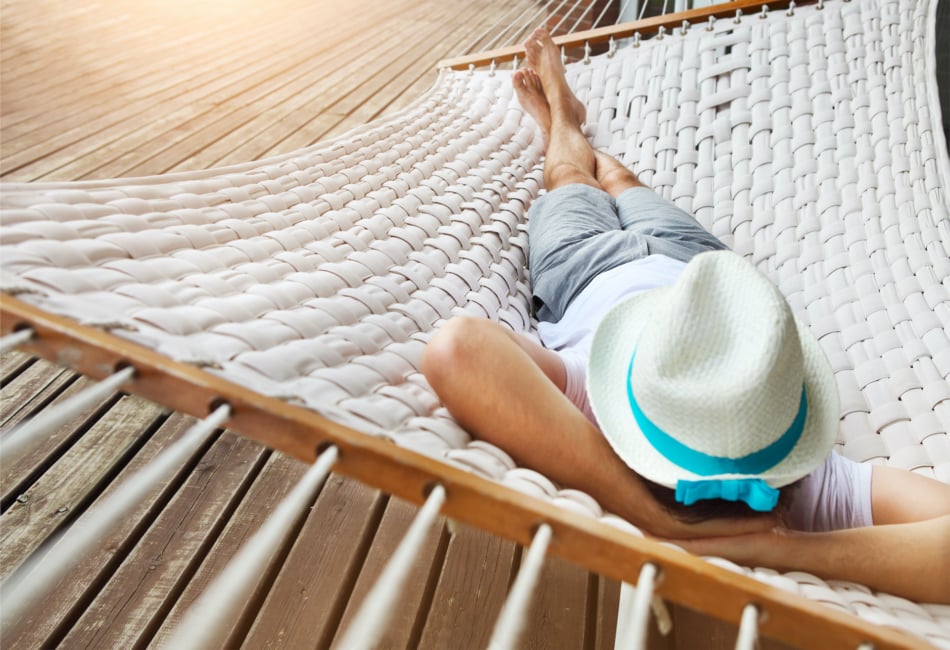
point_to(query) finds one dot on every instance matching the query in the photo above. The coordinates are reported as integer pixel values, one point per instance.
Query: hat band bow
(697, 462)
(755, 492)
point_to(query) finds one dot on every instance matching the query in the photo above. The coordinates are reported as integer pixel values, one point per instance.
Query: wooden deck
(142, 87)
(128, 88)
(123, 87)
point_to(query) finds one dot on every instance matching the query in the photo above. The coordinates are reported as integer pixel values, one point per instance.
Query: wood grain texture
(125, 88)
(275, 477)
(412, 605)
(475, 578)
(75, 479)
(89, 578)
(308, 597)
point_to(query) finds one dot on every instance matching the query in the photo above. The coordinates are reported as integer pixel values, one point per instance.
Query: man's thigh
(574, 234)
(569, 214)
(669, 230)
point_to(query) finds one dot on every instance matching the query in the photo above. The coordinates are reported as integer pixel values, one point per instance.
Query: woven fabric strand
(805, 142)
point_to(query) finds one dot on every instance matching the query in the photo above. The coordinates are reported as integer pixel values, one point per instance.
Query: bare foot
(530, 94)
(531, 97)
(545, 58)
(549, 81)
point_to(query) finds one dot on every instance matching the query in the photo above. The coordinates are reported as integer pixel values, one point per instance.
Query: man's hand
(658, 522)
(911, 560)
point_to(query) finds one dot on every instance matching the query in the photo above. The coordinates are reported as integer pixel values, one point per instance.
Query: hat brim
(613, 345)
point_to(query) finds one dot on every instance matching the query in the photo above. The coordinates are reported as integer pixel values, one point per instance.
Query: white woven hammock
(809, 143)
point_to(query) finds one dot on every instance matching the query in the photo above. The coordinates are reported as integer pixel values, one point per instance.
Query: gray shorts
(576, 232)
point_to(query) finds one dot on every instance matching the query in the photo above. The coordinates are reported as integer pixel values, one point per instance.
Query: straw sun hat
(711, 386)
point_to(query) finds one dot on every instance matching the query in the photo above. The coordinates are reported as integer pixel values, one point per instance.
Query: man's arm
(911, 560)
(899, 496)
(906, 552)
(508, 390)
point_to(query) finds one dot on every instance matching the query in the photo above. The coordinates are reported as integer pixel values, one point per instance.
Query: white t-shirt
(836, 495)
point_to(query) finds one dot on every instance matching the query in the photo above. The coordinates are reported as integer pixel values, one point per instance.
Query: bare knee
(452, 350)
(565, 173)
(616, 179)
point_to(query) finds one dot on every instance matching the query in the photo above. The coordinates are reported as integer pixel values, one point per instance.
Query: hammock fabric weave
(808, 143)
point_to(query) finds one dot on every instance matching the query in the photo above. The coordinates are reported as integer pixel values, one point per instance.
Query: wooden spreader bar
(472, 499)
(645, 27)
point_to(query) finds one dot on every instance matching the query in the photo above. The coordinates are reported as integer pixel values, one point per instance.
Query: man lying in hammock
(708, 411)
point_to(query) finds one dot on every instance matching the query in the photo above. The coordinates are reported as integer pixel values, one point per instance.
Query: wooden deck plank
(159, 74)
(557, 619)
(130, 105)
(379, 94)
(74, 480)
(608, 604)
(412, 607)
(238, 127)
(54, 86)
(66, 600)
(125, 121)
(132, 606)
(275, 480)
(12, 363)
(30, 390)
(692, 630)
(475, 577)
(17, 476)
(119, 53)
(93, 76)
(304, 606)
(342, 84)
(215, 126)
(39, 52)
(369, 99)
(338, 116)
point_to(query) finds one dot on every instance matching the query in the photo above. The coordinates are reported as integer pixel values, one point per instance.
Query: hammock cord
(565, 15)
(496, 35)
(517, 27)
(18, 442)
(212, 612)
(511, 621)
(377, 608)
(41, 572)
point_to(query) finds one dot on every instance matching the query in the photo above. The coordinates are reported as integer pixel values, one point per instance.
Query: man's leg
(569, 157)
(609, 173)
(613, 175)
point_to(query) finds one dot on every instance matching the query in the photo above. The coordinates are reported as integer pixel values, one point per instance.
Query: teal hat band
(704, 464)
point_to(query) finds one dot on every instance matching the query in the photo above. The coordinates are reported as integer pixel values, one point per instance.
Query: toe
(533, 79)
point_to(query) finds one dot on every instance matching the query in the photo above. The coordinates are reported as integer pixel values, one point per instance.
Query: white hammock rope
(18, 442)
(632, 631)
(603, 12)
(227, 594)
(526, 17)
(42, 571)
(374, 614)
(14, 340)
(808, 143)
(514, 612)
(748, 628)
(566, 14)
